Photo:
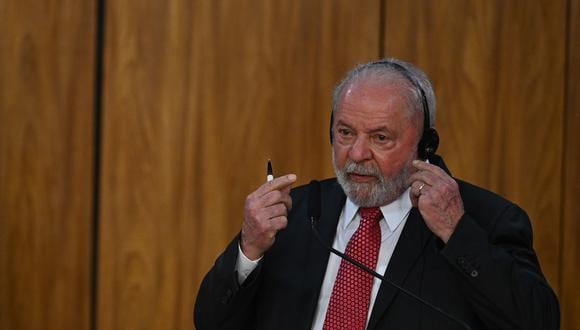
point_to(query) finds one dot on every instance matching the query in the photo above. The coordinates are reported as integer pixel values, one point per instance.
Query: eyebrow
(340, 122)
(374, 130)
(380, 129)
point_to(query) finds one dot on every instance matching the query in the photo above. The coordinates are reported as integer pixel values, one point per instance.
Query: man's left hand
(436, 194)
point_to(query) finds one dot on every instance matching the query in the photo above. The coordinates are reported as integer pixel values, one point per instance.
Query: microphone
(314, 212)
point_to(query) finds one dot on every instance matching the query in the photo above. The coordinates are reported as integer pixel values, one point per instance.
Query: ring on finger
(421, 187)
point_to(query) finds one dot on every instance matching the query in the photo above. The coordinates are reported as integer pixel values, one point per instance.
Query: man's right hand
(265, 213)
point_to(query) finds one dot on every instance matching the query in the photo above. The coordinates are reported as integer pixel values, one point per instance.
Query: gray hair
(390, 70)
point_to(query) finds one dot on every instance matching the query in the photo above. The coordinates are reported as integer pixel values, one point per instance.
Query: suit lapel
(409, 248)
(332, 203)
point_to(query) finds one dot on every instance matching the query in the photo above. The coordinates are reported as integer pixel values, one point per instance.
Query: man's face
(375, 140)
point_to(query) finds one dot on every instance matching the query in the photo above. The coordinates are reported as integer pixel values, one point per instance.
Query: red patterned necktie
(350, 299)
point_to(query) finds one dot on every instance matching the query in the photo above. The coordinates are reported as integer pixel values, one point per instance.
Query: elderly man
(463, 255)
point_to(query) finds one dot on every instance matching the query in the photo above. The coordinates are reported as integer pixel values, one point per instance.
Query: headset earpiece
(428, 144)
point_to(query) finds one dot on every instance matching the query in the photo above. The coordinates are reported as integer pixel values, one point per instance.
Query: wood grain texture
(570, 271)
(198, 94)
(498, 70)
(46, 154)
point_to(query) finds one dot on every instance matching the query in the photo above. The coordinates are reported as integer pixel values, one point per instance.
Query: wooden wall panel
(570, 271)
(46, 153)
(498, 70)
(198, 94)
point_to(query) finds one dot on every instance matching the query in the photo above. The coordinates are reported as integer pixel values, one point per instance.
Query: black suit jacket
(487, 274)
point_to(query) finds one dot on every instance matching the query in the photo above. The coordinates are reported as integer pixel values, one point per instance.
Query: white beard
(374, 194)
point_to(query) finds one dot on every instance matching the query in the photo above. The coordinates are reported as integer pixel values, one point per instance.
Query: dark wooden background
(131, 132)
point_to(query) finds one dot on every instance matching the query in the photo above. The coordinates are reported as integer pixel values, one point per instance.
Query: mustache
(357, 168)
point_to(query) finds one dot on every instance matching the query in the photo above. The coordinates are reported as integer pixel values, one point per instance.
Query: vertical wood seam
(98, 98)
(382, 28)
(565, 142)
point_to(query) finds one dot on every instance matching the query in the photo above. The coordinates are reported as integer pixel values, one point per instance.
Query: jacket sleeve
(500, 274)
(221, 302)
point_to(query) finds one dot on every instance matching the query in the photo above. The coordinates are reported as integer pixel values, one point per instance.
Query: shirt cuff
(245, 266)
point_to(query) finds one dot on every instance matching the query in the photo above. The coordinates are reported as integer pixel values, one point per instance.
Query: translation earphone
(429, 141)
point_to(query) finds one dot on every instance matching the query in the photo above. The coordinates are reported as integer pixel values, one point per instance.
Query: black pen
(270, 173)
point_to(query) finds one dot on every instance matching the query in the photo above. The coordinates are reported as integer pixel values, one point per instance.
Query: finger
(275, 210)
(417, 188)
(278, 183)
(424, 176)
(275, 197)
(286, 190)
(286, 198)
(279, 223)
(424, 166)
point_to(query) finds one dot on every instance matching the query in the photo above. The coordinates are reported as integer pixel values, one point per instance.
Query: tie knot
(370, 213)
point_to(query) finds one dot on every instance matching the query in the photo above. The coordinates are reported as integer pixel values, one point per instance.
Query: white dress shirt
(394, 217)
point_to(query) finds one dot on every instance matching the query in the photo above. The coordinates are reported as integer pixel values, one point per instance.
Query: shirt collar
(394, 213)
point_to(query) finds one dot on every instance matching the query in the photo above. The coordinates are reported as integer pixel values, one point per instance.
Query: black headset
(429, 141)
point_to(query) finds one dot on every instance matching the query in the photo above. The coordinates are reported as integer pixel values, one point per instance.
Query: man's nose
(360, 150)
